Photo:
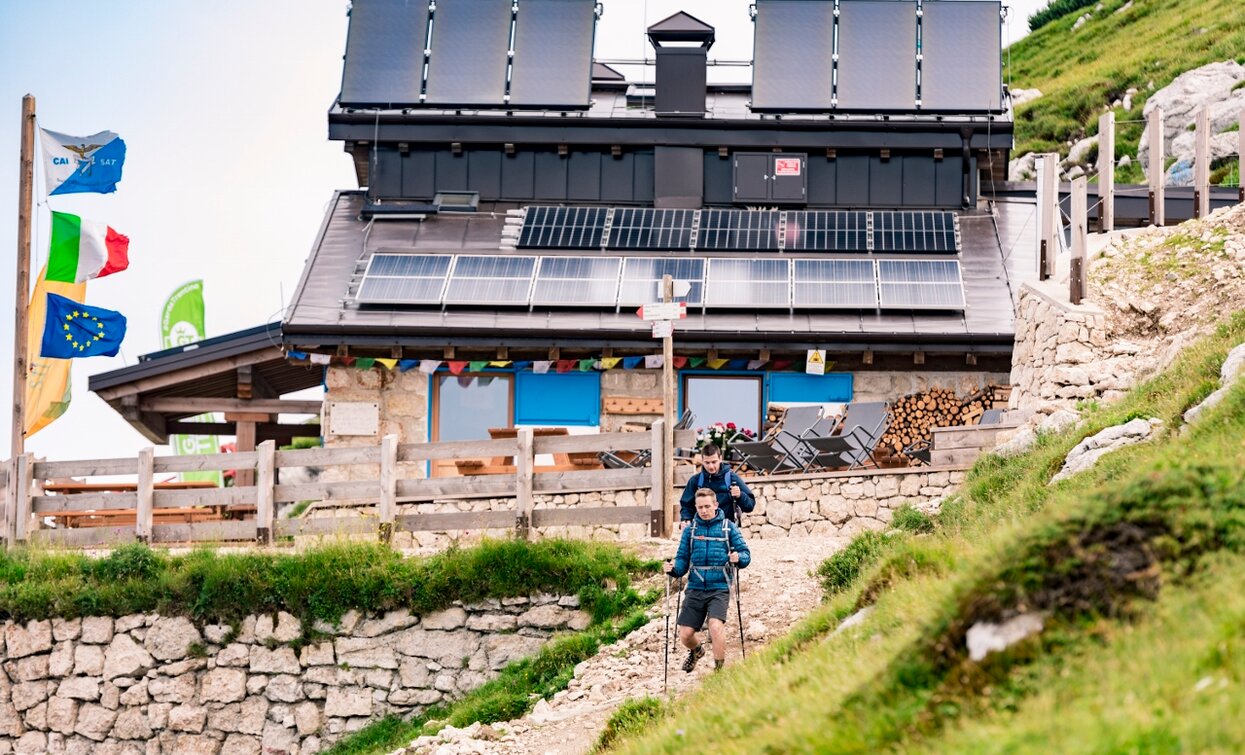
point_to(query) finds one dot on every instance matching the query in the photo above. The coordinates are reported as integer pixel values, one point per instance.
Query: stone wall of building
(148, 684)
(403, 400)
(888, 386)
(1063, 354)
(629, 384)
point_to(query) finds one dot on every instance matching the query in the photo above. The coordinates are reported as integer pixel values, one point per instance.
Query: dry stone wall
(148, 684)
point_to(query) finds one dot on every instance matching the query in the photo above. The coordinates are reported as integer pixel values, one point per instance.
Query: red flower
(730, 425)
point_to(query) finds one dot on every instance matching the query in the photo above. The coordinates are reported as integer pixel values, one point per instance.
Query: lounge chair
(640, 458)
(799, 423)
(764, 457)
(862, 427)
(991, 417)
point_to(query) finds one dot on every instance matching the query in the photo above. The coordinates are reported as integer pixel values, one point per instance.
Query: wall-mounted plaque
(354, 418)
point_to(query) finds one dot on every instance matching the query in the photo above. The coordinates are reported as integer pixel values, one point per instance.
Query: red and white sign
(663, 328)
(787, 166)
(675, 310)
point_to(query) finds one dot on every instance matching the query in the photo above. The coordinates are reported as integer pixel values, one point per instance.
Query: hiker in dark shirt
(710, 550)
(732, 493)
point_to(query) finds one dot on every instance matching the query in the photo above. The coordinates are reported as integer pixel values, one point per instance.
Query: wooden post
(22, 510)
(1048, 213)
(1201, 165)
(524, 460)
(1080, 239)
(10, 503)
(1158, 211)
(265, 480)
(244, 436)
(657, 499)
(1106, 172)
(1240, 157)
(146, 494)
(388, 503)
(668, 395)
(25, 196)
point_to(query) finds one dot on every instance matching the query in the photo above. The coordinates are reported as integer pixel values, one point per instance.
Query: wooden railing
(400, 480)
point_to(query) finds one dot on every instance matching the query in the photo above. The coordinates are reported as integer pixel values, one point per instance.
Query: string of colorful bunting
(560, 366)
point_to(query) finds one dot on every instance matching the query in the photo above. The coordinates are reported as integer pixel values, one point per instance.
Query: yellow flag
(48, 387)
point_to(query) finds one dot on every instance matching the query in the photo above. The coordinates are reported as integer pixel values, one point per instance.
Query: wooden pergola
(240, 375)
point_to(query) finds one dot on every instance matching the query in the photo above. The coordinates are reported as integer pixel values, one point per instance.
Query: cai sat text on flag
(84, 249)
(78, 164)
(73, 330)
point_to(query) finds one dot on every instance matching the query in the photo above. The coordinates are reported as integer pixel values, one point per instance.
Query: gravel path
(778, 589)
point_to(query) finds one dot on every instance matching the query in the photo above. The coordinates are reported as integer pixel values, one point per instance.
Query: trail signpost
(663, 314)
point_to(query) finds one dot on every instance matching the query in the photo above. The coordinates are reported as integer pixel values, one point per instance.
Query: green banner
(182, 323)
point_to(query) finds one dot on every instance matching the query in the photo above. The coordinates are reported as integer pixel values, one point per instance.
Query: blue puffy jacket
(719, 483)
(703, 548)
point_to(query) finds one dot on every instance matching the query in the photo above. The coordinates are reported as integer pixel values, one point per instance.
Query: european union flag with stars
(73, 330)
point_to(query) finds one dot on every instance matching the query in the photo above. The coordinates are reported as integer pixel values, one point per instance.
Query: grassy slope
(1113, 672)
(1080, 71)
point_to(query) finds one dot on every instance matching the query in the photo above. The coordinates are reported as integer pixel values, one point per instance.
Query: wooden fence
(399, 480)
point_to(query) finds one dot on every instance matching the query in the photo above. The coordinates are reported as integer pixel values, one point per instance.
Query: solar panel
(553, 53)
(914, 231)
(827, 231)
(385, 53)
(792, 60)
(848, 284)
(738, 229)
(563, 228)
(404, 279)
(577, 281)
(877, 55)
(920, 284)
(748, 283)
(490, 280)
(961, 58)
(635, 228)
(642, 274)
(470, 52)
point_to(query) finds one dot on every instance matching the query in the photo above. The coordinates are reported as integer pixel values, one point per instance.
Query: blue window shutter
(823, 389)
(572, 398)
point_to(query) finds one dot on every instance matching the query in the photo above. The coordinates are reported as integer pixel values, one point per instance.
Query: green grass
(322, 583)
(1079, 72)
(509, 696)
(1135, 566)
(631, 718)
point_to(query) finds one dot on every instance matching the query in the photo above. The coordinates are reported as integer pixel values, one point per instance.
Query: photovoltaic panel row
(920, 284)
(716, 282)
(469, 53)
(876, 55)
(563, 228)
(961, 66)
(792, 60)
(914, 231)
(385, 53)
(828, 231)
(738, 229)
(643, 228)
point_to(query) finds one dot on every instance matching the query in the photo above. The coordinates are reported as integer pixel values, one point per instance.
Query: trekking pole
(665, 679)
(739, 611)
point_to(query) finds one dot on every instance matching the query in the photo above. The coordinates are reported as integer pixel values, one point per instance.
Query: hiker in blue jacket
(711, 549)
(732, 493)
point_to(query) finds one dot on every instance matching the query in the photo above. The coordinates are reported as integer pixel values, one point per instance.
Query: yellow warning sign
(816, 362)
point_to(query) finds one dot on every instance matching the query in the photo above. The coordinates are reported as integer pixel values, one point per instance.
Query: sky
(229, 169)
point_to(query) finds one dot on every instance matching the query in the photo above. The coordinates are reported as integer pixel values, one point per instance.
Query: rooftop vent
(682, 42)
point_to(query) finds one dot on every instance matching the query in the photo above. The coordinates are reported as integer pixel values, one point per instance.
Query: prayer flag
(73, 330)
(653, 361)
(78, 164)
(320, 358)
(540, 367)
(429, 366)
(84, 249)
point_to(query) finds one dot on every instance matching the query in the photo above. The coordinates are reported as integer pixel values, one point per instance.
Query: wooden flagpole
(25, 197)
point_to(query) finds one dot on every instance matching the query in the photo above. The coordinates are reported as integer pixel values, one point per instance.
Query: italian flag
(85, 249)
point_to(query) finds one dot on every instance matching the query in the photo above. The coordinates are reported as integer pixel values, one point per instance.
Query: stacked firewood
(914, 416)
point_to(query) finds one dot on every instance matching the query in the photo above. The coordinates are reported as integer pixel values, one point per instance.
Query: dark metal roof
(261, 338)
(996, 256)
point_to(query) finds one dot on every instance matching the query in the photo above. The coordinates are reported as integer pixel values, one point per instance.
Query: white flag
(76, 164)
(428, 366)
(654, 361)
(319, 358)
(540, 368)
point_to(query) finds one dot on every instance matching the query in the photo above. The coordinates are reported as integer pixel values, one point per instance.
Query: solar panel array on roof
(715, 282)
(914, 231)
(793, 51)
(644, 228)
(553, 53)
(640, 229)
(876, 55)
(961, 67)
(469, 52)
(385, 53)
(563, 228)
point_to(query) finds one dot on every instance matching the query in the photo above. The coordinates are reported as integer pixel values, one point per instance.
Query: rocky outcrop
(1215, 85)
(1233, 367)
(160, 684)
(1087, 453)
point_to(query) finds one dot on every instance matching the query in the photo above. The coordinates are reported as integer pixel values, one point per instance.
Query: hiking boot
(693, 655)
(717, 665)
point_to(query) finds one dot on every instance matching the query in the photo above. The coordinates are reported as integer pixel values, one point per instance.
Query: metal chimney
(682, 42)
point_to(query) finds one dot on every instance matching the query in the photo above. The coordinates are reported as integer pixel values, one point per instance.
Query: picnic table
(128, 517)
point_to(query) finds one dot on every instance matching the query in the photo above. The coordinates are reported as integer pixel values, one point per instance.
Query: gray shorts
(699, 603)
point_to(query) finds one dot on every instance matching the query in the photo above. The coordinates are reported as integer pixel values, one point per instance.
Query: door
(752, 178)
(789, 179)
